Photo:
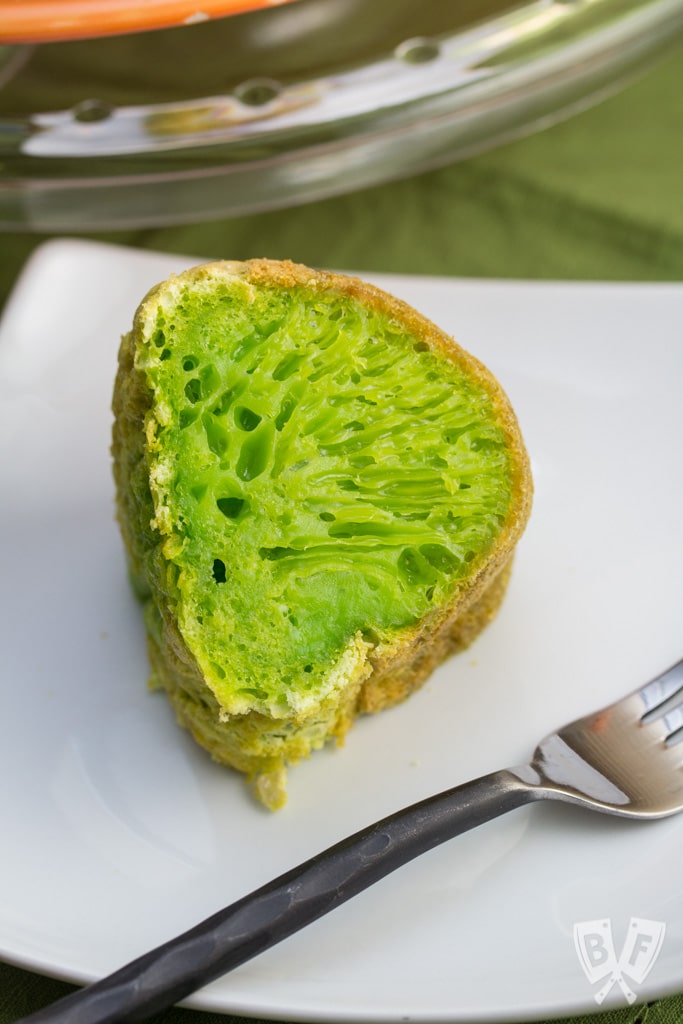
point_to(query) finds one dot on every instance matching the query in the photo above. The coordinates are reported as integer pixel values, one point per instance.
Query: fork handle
(169, 973)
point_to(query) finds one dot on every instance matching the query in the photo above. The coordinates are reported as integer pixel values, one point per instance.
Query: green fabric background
(597, 197)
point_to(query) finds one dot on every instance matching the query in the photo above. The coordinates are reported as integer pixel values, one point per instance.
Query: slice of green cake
(319, 494)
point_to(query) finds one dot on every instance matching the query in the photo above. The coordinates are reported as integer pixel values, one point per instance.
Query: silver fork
(624, 760)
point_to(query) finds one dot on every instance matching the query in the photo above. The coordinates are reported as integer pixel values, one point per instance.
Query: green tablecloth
(597, 197)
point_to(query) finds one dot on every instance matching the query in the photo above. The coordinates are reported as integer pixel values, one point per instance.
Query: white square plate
(118, 832)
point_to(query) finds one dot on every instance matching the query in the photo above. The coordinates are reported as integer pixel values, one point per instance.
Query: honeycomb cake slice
(319, 494)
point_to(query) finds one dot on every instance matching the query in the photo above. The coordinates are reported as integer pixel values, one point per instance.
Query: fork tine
(663, 693)
(674, 726)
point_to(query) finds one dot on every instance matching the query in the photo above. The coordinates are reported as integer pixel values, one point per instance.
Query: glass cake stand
(293, 102)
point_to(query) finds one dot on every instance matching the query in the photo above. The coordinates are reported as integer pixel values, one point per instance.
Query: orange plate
(49, 21)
